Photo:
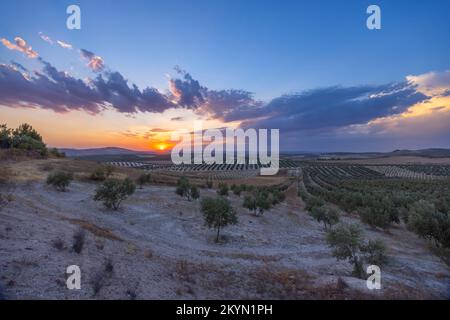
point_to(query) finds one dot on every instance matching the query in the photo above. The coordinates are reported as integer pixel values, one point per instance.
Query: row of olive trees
(347, 240)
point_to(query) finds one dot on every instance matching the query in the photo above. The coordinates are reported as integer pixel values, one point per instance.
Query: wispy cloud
(63, 44)
(20, 45)
(45, 38)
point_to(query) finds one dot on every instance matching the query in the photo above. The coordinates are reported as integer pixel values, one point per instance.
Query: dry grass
(96, 230)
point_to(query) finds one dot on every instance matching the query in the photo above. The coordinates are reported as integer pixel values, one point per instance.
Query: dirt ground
(156, 247)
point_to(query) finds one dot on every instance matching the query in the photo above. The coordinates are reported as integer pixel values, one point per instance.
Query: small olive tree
(184, 188)
(223, 189)
(250, 203)
(60, 180)
(348, 244)
(195, 193)
(325, 214)
(218, 213)
(113, 191)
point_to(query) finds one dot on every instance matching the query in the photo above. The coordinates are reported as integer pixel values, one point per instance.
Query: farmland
(160, 248)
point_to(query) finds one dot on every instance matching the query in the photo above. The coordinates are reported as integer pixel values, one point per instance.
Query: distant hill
(108, 151)
(430, 153)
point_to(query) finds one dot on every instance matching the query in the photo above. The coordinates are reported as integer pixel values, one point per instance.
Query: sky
(138, 70)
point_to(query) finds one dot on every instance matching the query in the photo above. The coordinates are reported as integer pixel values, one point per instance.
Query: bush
(236, 190)
(263, 202)
(311, 202)
(329, 216)
(184, 188)
(144, 179)
(60, 180)
(348, 244)
(113, 191)
(195, 194)
(375, 217)
(78, 241)
(209, 183)
(250, 203)
(223, 189)
(5, 136)
(218, 213)
(429, 223)
(102, 173)
(375, 251)
(26, 138)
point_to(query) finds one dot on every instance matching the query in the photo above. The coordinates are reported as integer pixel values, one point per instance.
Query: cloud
(176, 119)
(159, 130)
(186, 91)
(57, 90)
(327, 108)
(20, 45)
(45, 38)
(95, 63)
(432, 83)
(63, 44)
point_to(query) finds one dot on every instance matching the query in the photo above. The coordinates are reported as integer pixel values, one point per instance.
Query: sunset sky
(137, 70)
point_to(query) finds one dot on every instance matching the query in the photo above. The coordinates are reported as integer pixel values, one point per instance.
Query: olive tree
(218, 213)
(113, 191)
(184, 188)
(429, 223)
(325, 214)
(60, 180)
(348, 244)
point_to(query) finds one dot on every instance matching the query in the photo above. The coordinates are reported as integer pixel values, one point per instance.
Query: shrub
(236, 190)
(195, 194)
(429, 223)
(263, 202)
(311, 202)
(5, 136)
(184, 188)
(329, 216)
(250, 203)
(60, 180)
(113, 191)
(102, 173)
(98, 174)
(209, 183)
(348, 244)
(375, 217)
(375, 251)
(218, 213)
(26, 138)
(144, 179)
(223, 189)
(78, 241)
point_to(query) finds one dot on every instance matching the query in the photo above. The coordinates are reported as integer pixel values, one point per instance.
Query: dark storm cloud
(335, 107)
(59, 91)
